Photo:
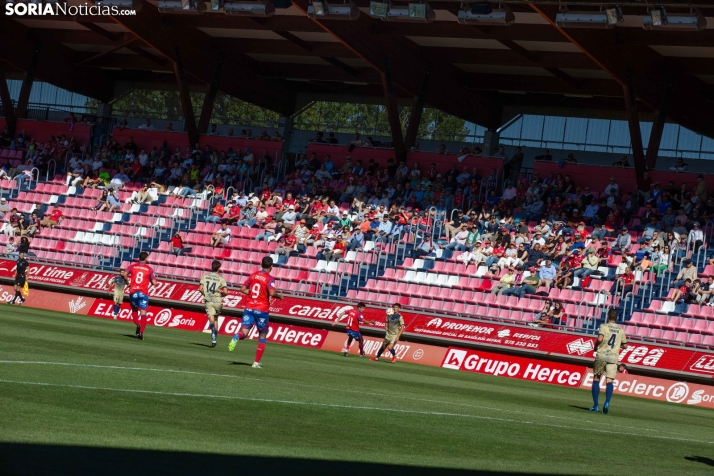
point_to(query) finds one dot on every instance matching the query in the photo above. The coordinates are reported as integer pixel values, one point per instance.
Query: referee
(20, 278)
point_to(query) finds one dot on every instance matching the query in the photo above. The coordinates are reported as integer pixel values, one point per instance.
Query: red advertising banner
(444, 328)
(522, 368)
(686, 393)
(423, 354)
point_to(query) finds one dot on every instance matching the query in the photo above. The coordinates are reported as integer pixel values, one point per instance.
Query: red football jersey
(259, 284)
(354, 319)
(140, 277)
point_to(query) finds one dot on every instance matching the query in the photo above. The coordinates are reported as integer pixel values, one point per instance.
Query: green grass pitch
(80, 395)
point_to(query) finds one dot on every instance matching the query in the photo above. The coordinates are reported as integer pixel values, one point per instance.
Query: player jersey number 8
(139, 277)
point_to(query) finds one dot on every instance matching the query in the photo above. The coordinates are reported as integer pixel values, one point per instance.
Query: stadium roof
(475, 70)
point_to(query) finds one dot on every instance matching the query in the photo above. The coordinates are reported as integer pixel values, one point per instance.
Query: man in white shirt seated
(146, 126)
(221, 236)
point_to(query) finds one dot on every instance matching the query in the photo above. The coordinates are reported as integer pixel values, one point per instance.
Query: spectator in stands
(688, 271)
(544, 156)
(505, 282)
(512, 168)
(23, 246)
(679, 166)
(6, 138)
(695, 238)
(33, 225)
(623, 242)
(705, 292)
(623, 162)
(123, 124)
(4, 207)
(547, 273)
(147, 126)
(501, 153)
(112, 202)
(217, 213)
(221, 236)
(176, 246)
(336, 253)
(612, 187)
(570, 159)
(564, 276)
(588, 266)
(458, 242)
(144, 195)
(54, 219)
(685, 293)
(624, 284)
(543, 317)
(10, 247)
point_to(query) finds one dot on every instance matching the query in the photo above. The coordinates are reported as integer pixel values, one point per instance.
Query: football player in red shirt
(354, 319)
(259, 287)
(141, 276)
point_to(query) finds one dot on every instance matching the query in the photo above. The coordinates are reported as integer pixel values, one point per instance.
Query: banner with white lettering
(522, 368)
(686, 393)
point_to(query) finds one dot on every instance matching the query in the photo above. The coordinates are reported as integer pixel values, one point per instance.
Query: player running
(354, 319)
(395, 326)
(117, 285)
(140, 277)
(21, 267)
(213, 288)
(610, 341)
(260, 287)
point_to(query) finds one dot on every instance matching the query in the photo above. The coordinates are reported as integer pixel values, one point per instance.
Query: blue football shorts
(139, 300)
(354, 334)
(251, 318)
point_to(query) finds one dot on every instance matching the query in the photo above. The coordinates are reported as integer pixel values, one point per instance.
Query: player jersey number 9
(255, 291)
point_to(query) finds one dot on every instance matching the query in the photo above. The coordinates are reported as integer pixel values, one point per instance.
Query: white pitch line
(349, 407)
(360, 392)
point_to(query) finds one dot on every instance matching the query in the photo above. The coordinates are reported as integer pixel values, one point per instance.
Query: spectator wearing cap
(356, 241)
(695, 238)
(623, 242)
(588, 266)
(335, 252)
(505, 282)
(290, 216)
(687, 271)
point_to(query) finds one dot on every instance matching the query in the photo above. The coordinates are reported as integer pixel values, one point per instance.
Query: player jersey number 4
(259, 284)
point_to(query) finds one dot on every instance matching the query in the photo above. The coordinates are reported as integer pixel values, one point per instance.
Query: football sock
(135, 317)
(143, 322)
(381, 351)
(116, 309)
(361, 345)
(609, 388)
(260, 349)
(18, 294)
(239, 336)
(596, 392)
(394, 353)
(213, 331)
(348, 344)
